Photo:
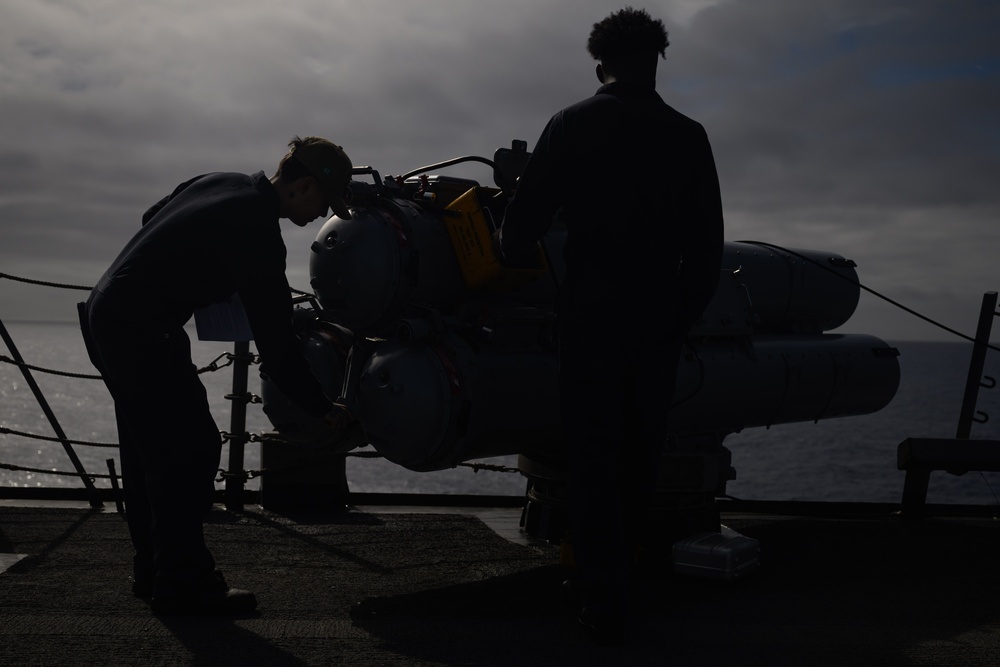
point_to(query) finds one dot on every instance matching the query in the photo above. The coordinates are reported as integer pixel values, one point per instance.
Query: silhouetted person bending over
(215, 236)
(636, 185)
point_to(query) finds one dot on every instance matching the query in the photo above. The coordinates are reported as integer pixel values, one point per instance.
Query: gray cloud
(868, 129)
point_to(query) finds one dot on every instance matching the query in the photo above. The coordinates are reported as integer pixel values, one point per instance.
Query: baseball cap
(329, 164)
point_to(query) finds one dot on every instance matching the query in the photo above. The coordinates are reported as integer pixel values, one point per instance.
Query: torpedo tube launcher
(444, 354)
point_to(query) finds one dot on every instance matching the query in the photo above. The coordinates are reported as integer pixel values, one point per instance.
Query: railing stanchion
(974, 379)
(238, 426)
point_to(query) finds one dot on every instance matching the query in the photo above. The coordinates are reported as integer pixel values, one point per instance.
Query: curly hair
(627, 33)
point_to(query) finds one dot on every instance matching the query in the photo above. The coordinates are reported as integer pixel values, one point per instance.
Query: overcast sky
(867, 128)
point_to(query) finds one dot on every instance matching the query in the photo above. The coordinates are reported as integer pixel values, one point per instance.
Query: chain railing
(234, 478)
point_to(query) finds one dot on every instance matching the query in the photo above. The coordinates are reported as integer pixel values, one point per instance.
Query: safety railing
(919, 457)
(234, 478)
(954, 455)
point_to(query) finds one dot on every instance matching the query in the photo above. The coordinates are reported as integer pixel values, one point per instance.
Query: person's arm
(703, 236)
(258, 265)
(536, 199)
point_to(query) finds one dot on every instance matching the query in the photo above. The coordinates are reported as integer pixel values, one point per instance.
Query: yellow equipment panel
(473, 219)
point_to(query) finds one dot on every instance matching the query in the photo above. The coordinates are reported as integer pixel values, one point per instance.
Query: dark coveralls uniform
(636, 185)
(214, 236)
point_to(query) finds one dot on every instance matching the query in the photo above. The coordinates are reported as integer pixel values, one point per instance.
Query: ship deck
(395, 585)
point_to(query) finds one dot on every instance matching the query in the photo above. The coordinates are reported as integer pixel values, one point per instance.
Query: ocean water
(850, 459)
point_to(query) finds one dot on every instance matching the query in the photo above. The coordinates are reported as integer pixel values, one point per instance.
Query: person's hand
(495, 246)
(328, 431)
(338, 417)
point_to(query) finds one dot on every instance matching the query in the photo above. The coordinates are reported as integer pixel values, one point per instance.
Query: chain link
(39, 369)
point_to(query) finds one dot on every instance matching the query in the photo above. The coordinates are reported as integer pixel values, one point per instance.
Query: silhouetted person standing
(635, 183)
(215, 236)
